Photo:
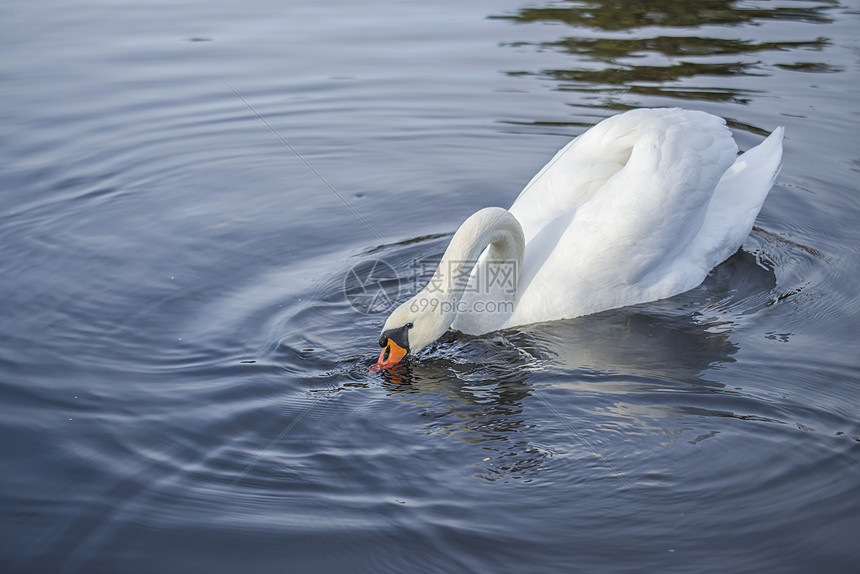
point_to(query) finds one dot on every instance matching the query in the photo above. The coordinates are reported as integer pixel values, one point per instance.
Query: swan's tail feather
(759, 166)
(738, 199)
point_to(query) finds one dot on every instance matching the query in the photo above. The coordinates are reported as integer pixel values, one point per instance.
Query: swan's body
(638, 208)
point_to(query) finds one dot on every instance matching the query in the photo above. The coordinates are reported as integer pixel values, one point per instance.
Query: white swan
(638, 208)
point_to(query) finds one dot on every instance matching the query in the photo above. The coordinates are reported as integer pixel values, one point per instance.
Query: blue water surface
(184, 382)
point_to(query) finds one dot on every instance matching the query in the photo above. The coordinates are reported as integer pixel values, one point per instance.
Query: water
(184, 384)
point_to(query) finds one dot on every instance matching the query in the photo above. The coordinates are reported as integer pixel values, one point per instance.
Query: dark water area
(184, 382)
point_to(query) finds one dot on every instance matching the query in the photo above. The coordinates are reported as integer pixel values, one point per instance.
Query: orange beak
(390, 355)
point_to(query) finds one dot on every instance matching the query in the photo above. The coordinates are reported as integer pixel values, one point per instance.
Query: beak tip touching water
(391, 354)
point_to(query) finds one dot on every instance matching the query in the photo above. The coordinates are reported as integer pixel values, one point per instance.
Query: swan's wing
(648, 211)
(578, 170)
(642, 217)
(728, 220)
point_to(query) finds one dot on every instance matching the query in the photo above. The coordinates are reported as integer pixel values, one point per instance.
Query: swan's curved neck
(492, 229)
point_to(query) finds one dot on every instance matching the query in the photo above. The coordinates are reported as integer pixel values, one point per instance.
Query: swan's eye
(409, 325)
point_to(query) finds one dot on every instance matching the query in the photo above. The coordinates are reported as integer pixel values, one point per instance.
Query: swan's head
(411, 327)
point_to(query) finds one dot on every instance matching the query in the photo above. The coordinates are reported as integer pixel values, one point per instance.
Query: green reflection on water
(613, 15)
(675, 49)
(612, 49)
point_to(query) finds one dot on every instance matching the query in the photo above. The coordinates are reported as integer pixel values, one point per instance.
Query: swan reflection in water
(638, 368)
